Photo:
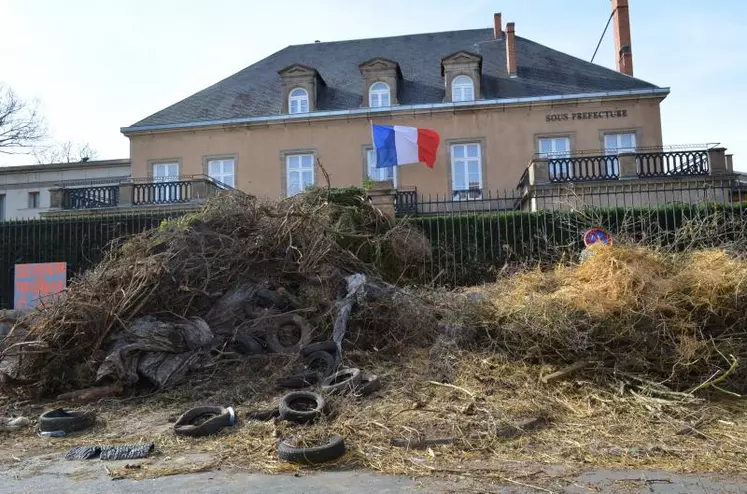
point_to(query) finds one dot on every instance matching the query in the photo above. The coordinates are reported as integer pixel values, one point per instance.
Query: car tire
(342, 381)
(369, 383)
(61, 420)
(331, 450)
(290, 410)
(272, 338)
(322, 363)
(319, 346)
(221, 418)
(249, 344)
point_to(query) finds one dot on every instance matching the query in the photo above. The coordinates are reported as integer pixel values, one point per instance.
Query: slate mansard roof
(256, 91)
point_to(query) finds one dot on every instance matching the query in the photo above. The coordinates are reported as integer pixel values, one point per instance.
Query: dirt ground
(588, 424)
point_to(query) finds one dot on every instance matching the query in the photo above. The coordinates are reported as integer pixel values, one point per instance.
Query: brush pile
(675, 320)
(238, 261)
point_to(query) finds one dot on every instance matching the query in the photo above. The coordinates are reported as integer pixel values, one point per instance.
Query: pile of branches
(304, 246)
(673, 319)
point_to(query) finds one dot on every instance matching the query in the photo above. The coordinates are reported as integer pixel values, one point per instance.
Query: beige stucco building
(497, 100)
(25, 190)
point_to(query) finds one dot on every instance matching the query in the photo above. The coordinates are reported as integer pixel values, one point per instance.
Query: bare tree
(64, 152)
(21, 126)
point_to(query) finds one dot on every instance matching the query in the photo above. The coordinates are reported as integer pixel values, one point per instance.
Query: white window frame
(613, 166)
(470, 193)
(294, 164)
(555, 151)
(462, 89)
(36, 203)
(379, 174)
(170, 174)
(379, 97)
(217, 170)
(300, 97)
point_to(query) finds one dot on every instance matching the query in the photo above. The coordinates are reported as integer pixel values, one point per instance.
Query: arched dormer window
(298, 101)
(379, 95)
(462, 89)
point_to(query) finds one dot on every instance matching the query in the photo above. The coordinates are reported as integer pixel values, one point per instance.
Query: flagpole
(373, 145)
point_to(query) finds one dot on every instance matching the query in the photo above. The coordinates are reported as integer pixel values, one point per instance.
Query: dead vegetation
(631, 358)
(303, 247)
(674, 320)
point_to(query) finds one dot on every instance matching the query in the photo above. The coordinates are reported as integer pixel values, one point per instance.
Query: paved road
(50, 473)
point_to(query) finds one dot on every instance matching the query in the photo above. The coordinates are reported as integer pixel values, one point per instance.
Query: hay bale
(672, 317)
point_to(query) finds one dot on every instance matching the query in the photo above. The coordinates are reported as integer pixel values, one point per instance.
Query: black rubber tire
(299, 381)
(249, 344)
(289, 413)
(184, 427)
(60, 420)
(319, 346)
(270, 299)
(271, 335)
(352, 378)
(327, 360)
(369, 384)
(331, 450)
(263, 415)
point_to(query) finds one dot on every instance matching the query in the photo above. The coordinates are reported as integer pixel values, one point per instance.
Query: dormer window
(462, 89)
(461, 71)
(298, 101)
(301, 88)
(379, 95)
(381, 77)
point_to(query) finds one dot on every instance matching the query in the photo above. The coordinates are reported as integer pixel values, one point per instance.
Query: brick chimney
(623, 50)
(511, 49)
(497, 26)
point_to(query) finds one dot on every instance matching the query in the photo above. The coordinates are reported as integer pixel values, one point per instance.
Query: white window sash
(460, 168)
(379, 174)
(378, 98)
(298, 103)
(613, 165)
(462, 91)
(223, 170)
(166, 172)
(556, 170)
(295, 169)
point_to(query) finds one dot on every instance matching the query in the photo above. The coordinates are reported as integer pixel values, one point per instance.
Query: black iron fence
(90, 197)
(472, 240)
(80, 242)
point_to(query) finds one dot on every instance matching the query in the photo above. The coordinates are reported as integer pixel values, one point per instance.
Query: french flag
(396, 145)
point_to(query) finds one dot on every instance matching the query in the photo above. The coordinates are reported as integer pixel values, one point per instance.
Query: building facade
(496, 99)
(25, 190)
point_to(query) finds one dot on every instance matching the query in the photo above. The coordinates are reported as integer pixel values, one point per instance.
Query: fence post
(383, 195)
(126, 193)
(717, 161)
(56, 197)
(628, 166)
(539, 172)
(203, 189)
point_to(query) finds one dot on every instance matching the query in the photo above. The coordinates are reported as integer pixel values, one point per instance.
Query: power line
(602, 37)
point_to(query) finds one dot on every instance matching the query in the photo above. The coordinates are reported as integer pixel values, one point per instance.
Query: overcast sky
(96, 66)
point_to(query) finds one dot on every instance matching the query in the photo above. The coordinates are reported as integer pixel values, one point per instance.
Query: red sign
(38, 283)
